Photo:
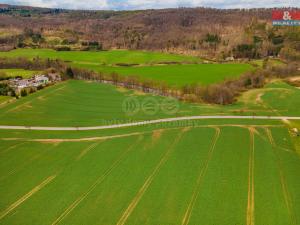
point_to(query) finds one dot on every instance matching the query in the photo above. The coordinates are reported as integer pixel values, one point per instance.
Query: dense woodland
(209, 33)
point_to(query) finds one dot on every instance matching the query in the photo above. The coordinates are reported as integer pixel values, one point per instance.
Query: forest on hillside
(206, 32)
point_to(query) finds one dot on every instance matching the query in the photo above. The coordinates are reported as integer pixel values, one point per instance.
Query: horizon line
(145, 9)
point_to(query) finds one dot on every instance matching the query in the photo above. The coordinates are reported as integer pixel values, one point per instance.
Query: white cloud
(211, 3)
(69, 4)
(154, 4)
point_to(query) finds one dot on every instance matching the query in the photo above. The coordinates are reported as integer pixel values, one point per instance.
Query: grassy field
(270, 62)
(4, 99)
(101, 58)
(197, 172)
(19, 72)
(205, 175)
(212, 172)
(178, 75)
(80, 103)
(278, 98)
(146, 65)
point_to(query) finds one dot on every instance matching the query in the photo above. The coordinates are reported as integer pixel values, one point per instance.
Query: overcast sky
(152, 4)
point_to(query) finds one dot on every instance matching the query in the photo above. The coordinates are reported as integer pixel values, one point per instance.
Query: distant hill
(199, 31)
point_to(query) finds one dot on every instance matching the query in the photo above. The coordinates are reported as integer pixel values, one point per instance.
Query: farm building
(19, 84)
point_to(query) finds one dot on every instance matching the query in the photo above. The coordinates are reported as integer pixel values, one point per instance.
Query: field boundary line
(149, 180)
(96, 183)
(26, 196)
(251, 190)
(284, 187)
(148, 122)
(188, 213)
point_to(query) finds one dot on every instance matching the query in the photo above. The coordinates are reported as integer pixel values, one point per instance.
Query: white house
(20, 84)
(41, 79)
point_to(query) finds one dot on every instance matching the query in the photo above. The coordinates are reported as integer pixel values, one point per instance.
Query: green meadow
(178, 75)
(197, 175)
(111, 57)
(19, 72)
(145, 65)
(4, 99)
(212, 172)
(81, 103)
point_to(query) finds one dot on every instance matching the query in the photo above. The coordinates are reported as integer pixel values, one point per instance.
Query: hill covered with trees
(205, 32)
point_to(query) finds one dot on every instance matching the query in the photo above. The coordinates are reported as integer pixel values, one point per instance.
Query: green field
(230, 175)
(178, 75)
(19, 72)
(111, 57)
(212, 172)
(4, 99)
(277, 97)
(146, 65)
(80, 103)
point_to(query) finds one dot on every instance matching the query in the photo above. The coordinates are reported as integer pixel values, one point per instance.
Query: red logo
(286, 15)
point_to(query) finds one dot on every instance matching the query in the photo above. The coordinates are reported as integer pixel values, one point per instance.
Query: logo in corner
(286, 17)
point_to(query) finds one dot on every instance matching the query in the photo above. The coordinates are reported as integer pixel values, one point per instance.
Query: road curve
(3, 127)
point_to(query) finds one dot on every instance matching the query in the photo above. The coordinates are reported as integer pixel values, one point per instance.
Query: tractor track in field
(26, 196)
(87, 150)
(26, 103)
(96, 183)
(250, 205)
(23, 165)
(192, 202)
(148, 122)
(284, 187)
(149, 180)
(11, 147)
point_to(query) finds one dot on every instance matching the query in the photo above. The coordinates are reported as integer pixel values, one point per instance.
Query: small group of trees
(91, 45)
(29, 38)
(213, 40)
(6, 90)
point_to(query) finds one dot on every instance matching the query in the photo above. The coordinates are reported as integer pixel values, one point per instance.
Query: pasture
(196, 172)
(4, 99)
(79, 103)
(278, 98)
(145, 65)
(19, 72)
(220, 174)
(178, 75)
(111, 57)
(210, 172)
